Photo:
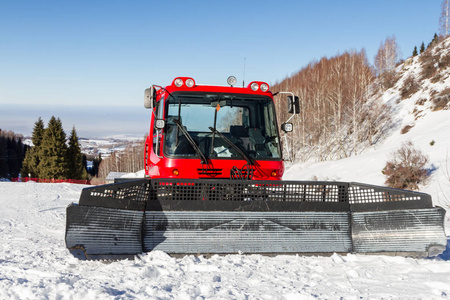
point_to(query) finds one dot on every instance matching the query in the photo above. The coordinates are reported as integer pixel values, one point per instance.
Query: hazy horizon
(89, 121)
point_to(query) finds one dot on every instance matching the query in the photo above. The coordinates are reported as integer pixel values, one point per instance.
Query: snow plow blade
(268, 217)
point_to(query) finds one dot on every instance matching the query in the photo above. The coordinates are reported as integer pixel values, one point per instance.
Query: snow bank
(34, 264)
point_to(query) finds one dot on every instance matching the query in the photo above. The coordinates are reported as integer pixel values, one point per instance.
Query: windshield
(247, 121)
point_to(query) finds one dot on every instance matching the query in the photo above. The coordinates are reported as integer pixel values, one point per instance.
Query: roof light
(190, 82)
(254, 86)
(178, 82)
(231, 80)
(264, 87)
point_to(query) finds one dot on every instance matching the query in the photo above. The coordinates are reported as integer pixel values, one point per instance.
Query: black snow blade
(269, 217)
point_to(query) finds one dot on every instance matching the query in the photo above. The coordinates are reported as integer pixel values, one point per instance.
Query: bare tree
(387, 55)
(406, 168)
(333, 93)
(385, 61)
(130, 160)
(444, 21)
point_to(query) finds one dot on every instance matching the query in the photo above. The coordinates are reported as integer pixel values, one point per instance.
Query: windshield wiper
(235, 147)
(191, 141)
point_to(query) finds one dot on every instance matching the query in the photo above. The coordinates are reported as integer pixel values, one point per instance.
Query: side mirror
(293, 104)
(149, 97)
(287, 127)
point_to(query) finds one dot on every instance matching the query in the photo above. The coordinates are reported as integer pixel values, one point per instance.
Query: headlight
(287, 127)
(254, 86)
(160, 124)
(178, 82)
(190, 82)
(264, 87)
(231, 80)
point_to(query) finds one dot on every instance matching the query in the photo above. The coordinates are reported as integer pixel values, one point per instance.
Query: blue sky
(107, 52)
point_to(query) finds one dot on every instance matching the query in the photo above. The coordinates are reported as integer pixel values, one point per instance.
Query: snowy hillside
(34, 264)
(429, 130)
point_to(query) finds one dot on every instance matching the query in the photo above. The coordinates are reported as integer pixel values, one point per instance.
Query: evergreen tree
(415, 51)
(434, 41)
(31, 162)
(53, 151)
(27, 165)
(4, 171)
(422, 48)
(38, 132)
(13, 153)
(75, 168)
(95, 165)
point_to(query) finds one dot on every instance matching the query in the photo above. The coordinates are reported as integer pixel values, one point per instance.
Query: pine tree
(30, 167)
(13, 156)
(4, 171)
(75, 169)
(95, 165)
(422, 48)
(434, 41)
(53, 151)
(415, 51)
(27, 165)
(38, 132)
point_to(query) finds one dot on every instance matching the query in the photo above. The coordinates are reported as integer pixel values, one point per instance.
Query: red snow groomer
(213, 185)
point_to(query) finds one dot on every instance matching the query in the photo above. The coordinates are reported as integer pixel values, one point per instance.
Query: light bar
(258, 86)
(184, 81)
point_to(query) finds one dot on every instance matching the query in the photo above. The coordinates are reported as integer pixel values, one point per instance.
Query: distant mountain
(101, 122)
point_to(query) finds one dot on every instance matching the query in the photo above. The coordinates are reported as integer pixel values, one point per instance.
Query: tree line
(336, 114)
(130, 160)
(51, 156)
(12, 152)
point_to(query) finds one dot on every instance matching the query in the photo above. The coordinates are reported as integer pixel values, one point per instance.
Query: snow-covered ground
(34, 264)
(367, 167)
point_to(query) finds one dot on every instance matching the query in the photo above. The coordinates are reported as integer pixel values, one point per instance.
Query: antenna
(243, 77)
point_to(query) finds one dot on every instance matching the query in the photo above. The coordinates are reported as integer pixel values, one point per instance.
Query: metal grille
(209, 172)
(364, 197)
(233, 194)
(231, 190)
(136, 190)
(371, 194)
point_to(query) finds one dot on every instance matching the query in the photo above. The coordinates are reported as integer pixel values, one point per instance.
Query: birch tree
(444, 21)
(386, 59)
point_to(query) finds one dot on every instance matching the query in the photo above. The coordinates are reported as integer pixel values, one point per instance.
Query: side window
(156, 132)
